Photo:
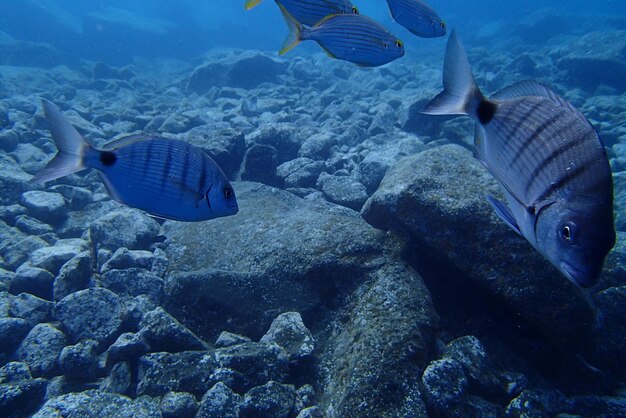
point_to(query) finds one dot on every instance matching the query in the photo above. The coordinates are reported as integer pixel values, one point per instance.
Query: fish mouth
(580, 276)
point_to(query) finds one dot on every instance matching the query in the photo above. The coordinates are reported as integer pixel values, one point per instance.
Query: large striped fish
(309, 12)
(350, 37)
(550, 163)
(166, 178)
(417, 17)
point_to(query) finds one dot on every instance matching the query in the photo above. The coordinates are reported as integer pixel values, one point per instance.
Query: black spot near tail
(486, 110)
(108, 158)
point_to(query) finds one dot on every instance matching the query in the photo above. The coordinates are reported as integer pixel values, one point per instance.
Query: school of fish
(547, 157)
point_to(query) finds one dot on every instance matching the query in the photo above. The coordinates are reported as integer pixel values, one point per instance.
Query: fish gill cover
(364, 273)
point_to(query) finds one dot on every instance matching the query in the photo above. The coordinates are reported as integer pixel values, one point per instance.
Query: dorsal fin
(127, 140)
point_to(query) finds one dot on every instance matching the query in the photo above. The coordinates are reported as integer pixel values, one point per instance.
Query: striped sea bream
(310, 12)
(350, 37)
(167, 178)
(549, 160)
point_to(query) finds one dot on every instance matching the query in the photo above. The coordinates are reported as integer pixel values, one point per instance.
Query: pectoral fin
(504, 213)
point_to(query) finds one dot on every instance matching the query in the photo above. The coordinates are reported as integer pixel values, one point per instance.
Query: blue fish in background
(349, 37)
(549, 160)
(417, 17)
(309, 12)
(167, 178)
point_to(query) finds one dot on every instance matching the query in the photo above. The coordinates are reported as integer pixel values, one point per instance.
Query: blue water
(389, 311)
(116, 31)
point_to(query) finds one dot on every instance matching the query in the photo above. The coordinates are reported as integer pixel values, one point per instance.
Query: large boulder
(437, 198)
(282, 253)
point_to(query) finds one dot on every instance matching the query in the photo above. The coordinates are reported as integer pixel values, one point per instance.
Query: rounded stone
(45, 206)
(94, 313)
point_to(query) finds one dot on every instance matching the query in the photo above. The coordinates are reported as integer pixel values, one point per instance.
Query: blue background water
(115, 31)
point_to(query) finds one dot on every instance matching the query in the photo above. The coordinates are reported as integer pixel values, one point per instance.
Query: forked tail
(70, 144)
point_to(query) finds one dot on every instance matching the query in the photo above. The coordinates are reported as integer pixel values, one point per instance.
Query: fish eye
(398, 43)
(228, 192)
(355, 10)
(568, 232)
(442, 25)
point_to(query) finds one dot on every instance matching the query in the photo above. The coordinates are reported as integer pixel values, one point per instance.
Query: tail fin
(460, 95)
(295, 28)
(251, 4)
(70, 144)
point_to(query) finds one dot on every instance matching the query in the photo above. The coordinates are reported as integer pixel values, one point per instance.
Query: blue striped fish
(350, 37)
(166, 178)
(417, 17)
(549, 160)
(309, 12)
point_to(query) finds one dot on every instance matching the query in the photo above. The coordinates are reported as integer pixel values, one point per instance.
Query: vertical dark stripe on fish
(147, 158)
(167, 165)
(531, 138)
(543, 164)
(185, 168)
(567, 177)
(523, 118)
(202, 179)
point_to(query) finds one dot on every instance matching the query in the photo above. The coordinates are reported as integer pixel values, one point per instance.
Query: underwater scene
(312, 208)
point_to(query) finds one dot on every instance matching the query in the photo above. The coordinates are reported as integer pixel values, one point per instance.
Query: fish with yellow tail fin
(417, 17)
(349, 37)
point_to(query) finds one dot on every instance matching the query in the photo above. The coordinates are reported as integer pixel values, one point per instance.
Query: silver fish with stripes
(349, 37)
(166, 178)
(417, 17)
(549, 160)
(309, 12)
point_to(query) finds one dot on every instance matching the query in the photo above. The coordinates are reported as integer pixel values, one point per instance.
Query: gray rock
(220, 401)
(445, 383)
(77, 197)
(10, 213)
(13, 182)
(284, 138)
(45, 206)
(32, 280)
(477, 365)
(610, 335)
(305, 398)
(310, 412)
(14, 372)
(41, 349)
(31, 308)
(178, 405)
(32, 226)
(94, 313)
(9, 140)
(128, 347)
(289, 332)
(124, 228)
(17, 249)
(269, 400)
(119, 379)
(133, 282)
(342, 190)
(78, 221)
(12, 332)
(23, 398)
(187, 371)
(80, 361)
(73, 276)
(231, 378)
(61, 385)
(317, 146)
(306, 264)
(30, 157)
(260, 163)
(258, 362)
(300, 172)
(446, 186)
(53, 257)
(538, 403)
(134, 311)
(163, 332)
(94, 404)
(227, 339)
(123, 258)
